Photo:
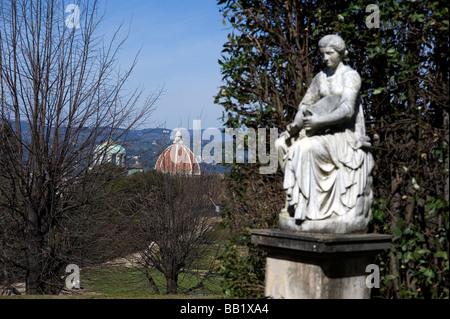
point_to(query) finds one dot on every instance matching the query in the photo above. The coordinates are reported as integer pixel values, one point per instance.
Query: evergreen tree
(267, 64)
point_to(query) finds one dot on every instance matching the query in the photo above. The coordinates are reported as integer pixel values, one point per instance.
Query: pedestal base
(337, 225)
(318, 266)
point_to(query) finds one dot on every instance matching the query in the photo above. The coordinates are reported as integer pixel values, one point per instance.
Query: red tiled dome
(178, 158)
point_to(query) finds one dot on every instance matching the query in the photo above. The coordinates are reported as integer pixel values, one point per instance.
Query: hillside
(149, 143)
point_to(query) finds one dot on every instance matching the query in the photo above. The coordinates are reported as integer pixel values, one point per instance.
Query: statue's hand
(284, 134)
(293, 129)
(298, 119)
(312, 124)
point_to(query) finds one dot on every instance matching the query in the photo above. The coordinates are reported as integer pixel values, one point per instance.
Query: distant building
(109, 153)
(178, 159)
(135, 167)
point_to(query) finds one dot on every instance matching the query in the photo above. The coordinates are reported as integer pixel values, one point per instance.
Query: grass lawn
(119, 282)
(130, 282)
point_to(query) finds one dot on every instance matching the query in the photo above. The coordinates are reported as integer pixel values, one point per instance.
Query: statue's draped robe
(330, 172)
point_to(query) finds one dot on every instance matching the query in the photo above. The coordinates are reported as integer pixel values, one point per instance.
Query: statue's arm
(352, 85)
(344, 112)
(312, 96)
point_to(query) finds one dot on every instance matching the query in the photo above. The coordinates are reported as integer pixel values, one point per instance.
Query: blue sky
(180, 43)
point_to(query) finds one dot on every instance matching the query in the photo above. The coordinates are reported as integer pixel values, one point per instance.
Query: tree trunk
(151, 281)
(34, 284)
(172, 283)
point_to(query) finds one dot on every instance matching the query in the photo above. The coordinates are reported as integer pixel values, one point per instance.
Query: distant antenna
(197, 144)
(217, 207)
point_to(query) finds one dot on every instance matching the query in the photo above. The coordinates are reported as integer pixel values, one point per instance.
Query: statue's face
(331, 57)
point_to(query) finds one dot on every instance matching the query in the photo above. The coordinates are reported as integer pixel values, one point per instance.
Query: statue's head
(333, 50)
(334, 41)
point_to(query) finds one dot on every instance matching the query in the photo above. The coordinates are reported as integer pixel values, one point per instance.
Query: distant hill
(147, 145)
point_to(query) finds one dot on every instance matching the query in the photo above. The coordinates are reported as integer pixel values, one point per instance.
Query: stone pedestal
(318, 266)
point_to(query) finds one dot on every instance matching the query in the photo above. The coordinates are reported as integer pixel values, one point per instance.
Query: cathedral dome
(178, 159)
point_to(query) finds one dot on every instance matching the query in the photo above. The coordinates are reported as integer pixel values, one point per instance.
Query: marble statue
(324, 152)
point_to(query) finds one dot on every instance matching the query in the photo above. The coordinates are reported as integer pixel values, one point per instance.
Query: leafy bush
(267, 65)
(242, 269)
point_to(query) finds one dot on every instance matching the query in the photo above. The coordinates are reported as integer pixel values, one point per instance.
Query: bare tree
(178, 228)
(61, 93)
